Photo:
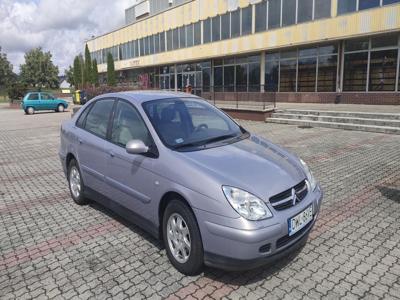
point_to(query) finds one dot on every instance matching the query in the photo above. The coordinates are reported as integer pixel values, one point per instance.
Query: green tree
(7, 75)
(95, 73)
(39, 70)
(111, 81)
(87, 73)
(69, 76)
(77, 72)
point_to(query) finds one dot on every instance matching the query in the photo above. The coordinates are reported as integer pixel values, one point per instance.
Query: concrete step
(345, 126)
(346, 114)
(339, 119)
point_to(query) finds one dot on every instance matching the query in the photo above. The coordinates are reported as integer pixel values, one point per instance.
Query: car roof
(144, 96)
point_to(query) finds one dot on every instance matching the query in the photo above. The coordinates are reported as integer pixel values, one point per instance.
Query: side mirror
(136, 147)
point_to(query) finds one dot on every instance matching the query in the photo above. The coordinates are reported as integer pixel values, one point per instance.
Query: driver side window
(128, 125)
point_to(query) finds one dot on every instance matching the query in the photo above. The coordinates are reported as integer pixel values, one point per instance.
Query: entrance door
(188, 79)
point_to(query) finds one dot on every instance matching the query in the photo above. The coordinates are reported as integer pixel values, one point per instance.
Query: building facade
(290, 50)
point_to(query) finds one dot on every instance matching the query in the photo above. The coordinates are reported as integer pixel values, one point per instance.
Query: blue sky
(58, 26)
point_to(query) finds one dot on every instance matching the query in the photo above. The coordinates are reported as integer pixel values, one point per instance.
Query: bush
(16, 91)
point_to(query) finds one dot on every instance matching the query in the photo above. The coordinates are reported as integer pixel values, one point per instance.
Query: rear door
(91, 137)
(33, 100)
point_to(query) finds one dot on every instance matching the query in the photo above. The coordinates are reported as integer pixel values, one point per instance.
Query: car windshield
(187, 123)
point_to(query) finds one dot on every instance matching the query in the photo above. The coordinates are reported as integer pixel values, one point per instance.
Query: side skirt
(123, 212)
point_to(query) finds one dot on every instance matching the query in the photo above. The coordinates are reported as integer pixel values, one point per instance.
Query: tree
(69, 75)
(110, 70)
(7, 75)
(39, 70)
(95, 74)
(87, 73)
(77, 72)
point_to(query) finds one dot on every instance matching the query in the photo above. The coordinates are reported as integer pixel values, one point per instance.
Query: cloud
(60, 27)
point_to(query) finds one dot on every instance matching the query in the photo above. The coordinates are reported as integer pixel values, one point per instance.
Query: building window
(307, 70)
(355, 71)
(169, 40)
(175, 39)
(241, 78)
(274, 14)
(327, 68)
(304, 11)
(254, 75)
(346, 6)
(366, 4)
(288, 69)
(288, 12)
(225, 30)
(182, 37)
(261, 16)
(207, 30)
(197, 33)
(156, 43)
(382, 70)
(189, 35)
(218, 79)
(152, 44)
(247, 14)
(272, 72)
(235, 23)
(322, 9)
(216, 28)
(162, 41)
(229, 78)
(386, 2)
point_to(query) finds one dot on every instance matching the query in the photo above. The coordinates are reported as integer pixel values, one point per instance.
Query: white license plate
(299, 221)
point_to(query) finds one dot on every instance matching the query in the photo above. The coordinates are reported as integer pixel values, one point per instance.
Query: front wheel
(75, 182)
(182, 238)
(60, 108)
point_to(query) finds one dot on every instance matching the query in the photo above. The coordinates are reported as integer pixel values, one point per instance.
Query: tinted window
(261, 16)
(235, 23)
(385, 2)
(327, 71)
(382, 70)
(365, 4)
(274, 14)
(346, 6)
(197, 33)
(169, 40)
(229, 78)
(246, 20)
(182, 37)
(189, 35)
(162, 41)
(98, 117)
(128, 125)
(288, 12)
(175, 39)
(225, 32)
(355, 71)
(33, 96)
(271, 72)
(322, 9)
(207, 31)
(305, 8)
(82, 117)
(216, 29)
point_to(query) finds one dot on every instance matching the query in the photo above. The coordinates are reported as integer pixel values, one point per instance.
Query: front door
(129, 178)
(47, 101)
(91, 145)
(188, 79)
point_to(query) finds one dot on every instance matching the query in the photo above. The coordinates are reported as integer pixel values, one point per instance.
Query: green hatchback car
(42, 101)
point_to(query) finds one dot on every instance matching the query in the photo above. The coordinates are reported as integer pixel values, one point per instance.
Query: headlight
(310, 176)
(246, 204)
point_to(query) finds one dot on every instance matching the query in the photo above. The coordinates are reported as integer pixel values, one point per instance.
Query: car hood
(253, 164)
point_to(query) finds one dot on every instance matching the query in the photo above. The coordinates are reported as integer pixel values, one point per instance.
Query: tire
(188, 261)
(75, 183)
(60, 108)
(30, 110)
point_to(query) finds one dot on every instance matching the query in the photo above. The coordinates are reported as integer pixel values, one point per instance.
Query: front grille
(283, 241)
(285, 199)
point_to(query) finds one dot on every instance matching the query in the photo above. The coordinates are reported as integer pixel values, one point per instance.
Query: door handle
(80, 141)
(111, 153)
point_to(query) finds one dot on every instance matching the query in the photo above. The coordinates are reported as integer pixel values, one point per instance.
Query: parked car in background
(189, 174)
(36, 101)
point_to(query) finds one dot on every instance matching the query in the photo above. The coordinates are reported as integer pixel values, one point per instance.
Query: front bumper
(231, 248)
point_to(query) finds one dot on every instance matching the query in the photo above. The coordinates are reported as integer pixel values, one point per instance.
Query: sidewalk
(394, 109)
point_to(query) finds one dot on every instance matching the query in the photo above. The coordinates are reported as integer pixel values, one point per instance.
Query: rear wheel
(30, 110)
(76, 186)
(182, 238)
(60, 108)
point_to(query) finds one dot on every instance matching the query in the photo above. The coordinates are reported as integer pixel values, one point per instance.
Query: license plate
(299, 221)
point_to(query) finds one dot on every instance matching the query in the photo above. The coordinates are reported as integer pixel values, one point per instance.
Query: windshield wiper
(207, 141)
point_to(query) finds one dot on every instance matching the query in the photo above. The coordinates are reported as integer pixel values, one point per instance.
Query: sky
(58, 26)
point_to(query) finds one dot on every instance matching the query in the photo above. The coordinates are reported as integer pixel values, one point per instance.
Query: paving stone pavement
(51, 248)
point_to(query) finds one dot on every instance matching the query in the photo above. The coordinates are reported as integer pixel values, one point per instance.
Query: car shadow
(235, 278)
(389, 193)
(130, 225)
(44, 112)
